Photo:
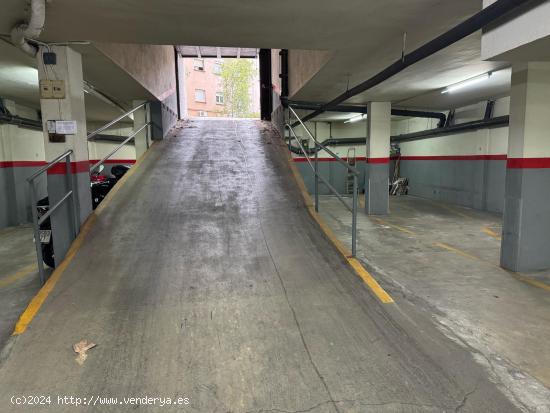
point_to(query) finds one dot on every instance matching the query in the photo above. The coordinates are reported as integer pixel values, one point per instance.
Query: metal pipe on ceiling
(363, 109)
(497, 122)
(21, 122)
(478, 21)
(31, 30)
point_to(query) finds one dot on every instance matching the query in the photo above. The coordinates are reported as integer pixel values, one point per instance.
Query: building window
(203, 113)
(200, 95)
(217, 68)
(219, 98)
(198, 64)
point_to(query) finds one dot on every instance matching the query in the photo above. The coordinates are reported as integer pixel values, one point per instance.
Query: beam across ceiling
(488, 15)
(203, 52)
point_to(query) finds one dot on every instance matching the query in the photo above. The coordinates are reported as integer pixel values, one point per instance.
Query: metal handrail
(315, 168)
(335, 156)
(124, 142)
(116, 120)
(49, 165)
(71, 194)
(129, 138)
(311, 164)
(36, 221)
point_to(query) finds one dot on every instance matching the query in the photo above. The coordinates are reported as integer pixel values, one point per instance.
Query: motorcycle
(100, 185)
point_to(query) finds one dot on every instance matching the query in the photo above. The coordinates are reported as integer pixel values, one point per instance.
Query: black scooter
(100, 187)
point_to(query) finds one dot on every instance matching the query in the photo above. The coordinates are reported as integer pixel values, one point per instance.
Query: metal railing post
(289, 134)
(314, 165)
(316, 177)
(147, 122)
(354, 218)
(36, 227)
(70, 182)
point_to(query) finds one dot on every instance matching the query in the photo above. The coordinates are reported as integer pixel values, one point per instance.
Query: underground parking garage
(205, 209)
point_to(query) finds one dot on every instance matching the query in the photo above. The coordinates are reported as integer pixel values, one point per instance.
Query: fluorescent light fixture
(466, 83)
(355, 119)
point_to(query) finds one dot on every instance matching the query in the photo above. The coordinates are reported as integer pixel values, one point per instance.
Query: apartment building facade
(204, 88)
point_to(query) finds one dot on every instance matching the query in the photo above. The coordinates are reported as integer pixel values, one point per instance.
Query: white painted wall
(21, 144)
(481, 142)
(476, 143)
(98, 150)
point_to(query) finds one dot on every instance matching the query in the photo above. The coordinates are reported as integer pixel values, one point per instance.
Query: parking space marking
(10, 279)
(389, 224)
(517, 276)
(487, 230)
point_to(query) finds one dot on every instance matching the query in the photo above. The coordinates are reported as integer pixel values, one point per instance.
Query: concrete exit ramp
(205, 277)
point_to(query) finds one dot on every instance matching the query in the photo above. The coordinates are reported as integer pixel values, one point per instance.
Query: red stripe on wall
(359, 158)
(455, 158)
(35, 164)
(115, 161)
(421, 158)
(526, 163)
(378, 160)
(76, 168)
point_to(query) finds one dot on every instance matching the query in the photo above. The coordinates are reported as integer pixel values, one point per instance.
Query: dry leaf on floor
(81, 348)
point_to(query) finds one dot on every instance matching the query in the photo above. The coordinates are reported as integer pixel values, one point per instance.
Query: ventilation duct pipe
(30, 30)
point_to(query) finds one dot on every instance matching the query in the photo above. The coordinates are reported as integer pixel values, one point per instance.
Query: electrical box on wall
(49, 58)
(52, 89)
(58, 89)
(46, 89)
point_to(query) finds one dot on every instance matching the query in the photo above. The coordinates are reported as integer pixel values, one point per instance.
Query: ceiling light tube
(355, 119)
(466, 83)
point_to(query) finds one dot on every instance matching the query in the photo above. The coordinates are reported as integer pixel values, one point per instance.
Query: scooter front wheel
(47, 255)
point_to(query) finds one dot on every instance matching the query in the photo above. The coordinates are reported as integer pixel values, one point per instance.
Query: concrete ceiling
(364, 35)
(19, 81)
(18, 75)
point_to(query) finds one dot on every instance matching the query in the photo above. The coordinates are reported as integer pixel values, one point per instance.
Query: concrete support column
(526, 224)
(10, 210)
(378, 158)
(140, 118)
(68, 69)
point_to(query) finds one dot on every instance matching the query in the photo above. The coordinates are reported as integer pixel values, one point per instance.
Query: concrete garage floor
(216, 284)
(445, 259)
(18, 275)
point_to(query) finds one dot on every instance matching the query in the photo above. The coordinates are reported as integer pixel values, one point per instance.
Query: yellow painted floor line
(451, 209)
(534, 283)
(370, 281)
(35, 304)
(462, 253)
(328, 232)
(517, 276)
(10, 279)
(487, 230)
(38, 300)
(378, 291)
(389, 224)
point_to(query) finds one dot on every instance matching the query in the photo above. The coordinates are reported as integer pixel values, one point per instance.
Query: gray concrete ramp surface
(205, 278)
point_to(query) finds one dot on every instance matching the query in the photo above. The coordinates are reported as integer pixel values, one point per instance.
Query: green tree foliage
(236, 77)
